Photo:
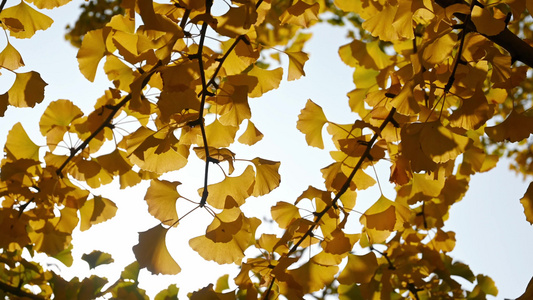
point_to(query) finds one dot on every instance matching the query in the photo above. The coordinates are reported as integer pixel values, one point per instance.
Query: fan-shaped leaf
(152, 253)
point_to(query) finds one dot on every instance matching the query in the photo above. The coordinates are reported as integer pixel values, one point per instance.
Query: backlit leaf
(267, 176)
(284, 213)
(381, 215)
(96, 210)
(311, 120)
(301, 14)
(296, 64)
(19, 145)
(161, 198)
(232, 191)
(266, 80)
(31, 19)
(359, 269)
(152, 253)
(92, 50)
(527, 203)
(485, 23)
(10, 58)
(251, 135)
(97, 258)
(515, 128)
(27, 90)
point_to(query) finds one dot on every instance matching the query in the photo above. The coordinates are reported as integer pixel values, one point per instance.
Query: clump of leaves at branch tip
(429, 77)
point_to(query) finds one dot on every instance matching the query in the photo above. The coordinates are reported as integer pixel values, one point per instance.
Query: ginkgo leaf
(237, 20)
(251, 135)
(97, 258)
(10, 58)
(368, 55)
(380, 216)
(232, 191)
(312, 276)
(220, 135)
(4, 102)
(19, 145)
(96, 210)
(440, 143)
(514, 128)
(31, 19)
(527, 203)
(427, 184)
(92, 50)
(49, 4)
(267, 176)
(169, 293)
(359, 269)
(267, 80)
(235, 108)
(485, 23)
(161, 198)
(296, 64)
(311, 120)
(528, 293)
(284, 213)
(301, 14)
(380, 24)
(231, 251)
(473, 113)
(152, 253)
(27, 90)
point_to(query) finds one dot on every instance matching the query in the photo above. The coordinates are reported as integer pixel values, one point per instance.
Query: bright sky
(492, 234)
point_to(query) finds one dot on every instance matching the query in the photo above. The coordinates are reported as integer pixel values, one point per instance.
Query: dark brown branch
(107, 122)
(2, 5)
(517, 48)
(18, 292)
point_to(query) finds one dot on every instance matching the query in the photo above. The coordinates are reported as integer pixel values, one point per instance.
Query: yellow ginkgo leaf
(27, 90)
(96, 210)
(59, 113)
(427, 184)
(301, 14)
(92, 50)
(380, 216)
(380, 24)
(152, 253)
(312, 276)
(284, 213)
(251, 135)
(267, 176)
(237, 20)
(359, 269)
(31, 19)
(473, 113)
(10, 58)
(230, 251)
(19, 145)
(311, 120)
(161, 198)
(527, 203)
(440, 143)
(516, 127)
(267, 80)
(219, 135)
(296, 64)
(236, 107)
(232, 191)
(485, 23)
(49, 4)
(368, 55)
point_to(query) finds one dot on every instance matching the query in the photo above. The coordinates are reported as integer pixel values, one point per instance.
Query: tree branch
(107, 121)
(19, 292)
(517, 48)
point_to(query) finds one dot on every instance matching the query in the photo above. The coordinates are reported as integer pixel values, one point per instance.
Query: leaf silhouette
(152, 252)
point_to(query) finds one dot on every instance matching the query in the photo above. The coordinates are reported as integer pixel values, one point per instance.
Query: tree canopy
(442, 90)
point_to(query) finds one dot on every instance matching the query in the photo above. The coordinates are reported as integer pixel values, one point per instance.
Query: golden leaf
(527, 203)
(312, 276)
(380, 216)
(235, 107)
(19, 145)
(380, 24)
(27, 90)
(92, 50)
(232, 250)
(267, 176)
(284, 213)
(161, 198)
(31, 19)
(296, 64)
(10, 58)
(56, 120)
(359, 269)
(516, 127)
(220, 135)
(311, 120)
(485, 23)
(97, 258)
(152, 253)
(267, 80)
(156, 21)
(251, 135)
(49, 4)
(473, 113)
(96, 210)
(427, 184)
(232, 191)
(301, 14)
(237, 20)
(121, 74)
(367, 55)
